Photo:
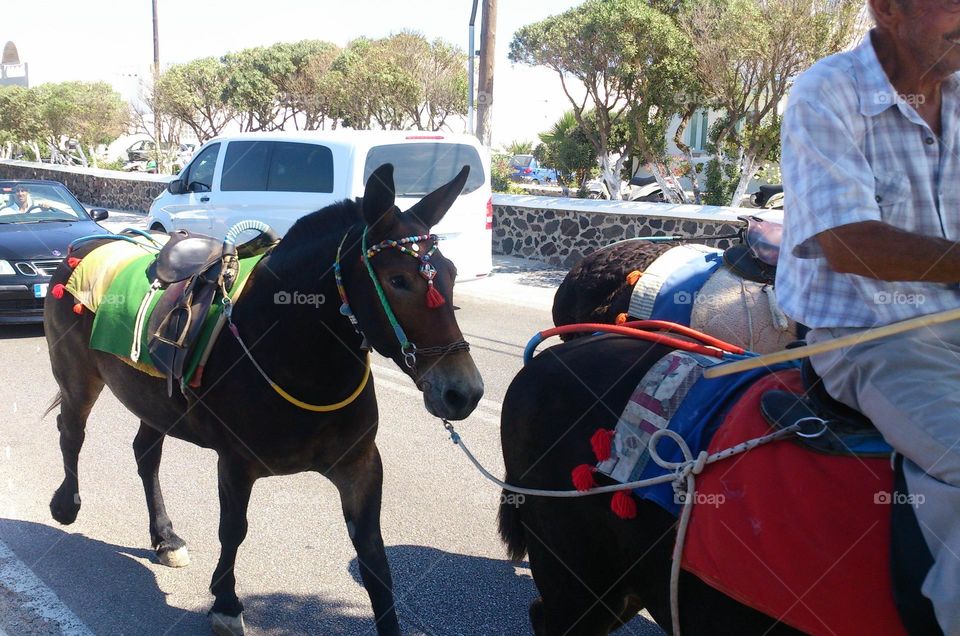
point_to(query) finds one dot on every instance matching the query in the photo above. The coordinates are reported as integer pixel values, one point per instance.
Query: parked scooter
(637, 189)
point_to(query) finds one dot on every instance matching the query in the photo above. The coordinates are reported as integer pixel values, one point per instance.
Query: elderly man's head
(927, 30)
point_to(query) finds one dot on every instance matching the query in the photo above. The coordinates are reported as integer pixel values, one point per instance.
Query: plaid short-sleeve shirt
(854, 150)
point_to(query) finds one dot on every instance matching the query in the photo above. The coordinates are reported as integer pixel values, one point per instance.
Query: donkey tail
(511, 527)
(54, 403)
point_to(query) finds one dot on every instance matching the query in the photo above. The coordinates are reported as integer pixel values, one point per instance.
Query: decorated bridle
(434, 298)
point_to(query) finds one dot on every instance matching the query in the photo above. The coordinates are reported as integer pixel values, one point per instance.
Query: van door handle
(204, 199)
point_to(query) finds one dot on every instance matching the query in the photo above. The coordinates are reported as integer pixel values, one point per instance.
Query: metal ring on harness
(821, 421)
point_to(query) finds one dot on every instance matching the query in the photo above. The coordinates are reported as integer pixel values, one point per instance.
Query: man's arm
(884, 252)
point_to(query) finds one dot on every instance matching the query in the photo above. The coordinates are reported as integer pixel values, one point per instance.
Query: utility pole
(153, 86)
(471, 54)
(488, 41)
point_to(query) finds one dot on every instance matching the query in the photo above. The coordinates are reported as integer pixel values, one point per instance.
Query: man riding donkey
(871, 170)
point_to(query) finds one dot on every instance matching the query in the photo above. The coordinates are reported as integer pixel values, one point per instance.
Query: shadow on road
(438, 593)
(16, 332)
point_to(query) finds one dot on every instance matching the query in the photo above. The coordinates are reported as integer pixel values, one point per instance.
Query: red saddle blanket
(798, 535)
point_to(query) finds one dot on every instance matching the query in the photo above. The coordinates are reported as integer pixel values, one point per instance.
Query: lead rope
(683, 478)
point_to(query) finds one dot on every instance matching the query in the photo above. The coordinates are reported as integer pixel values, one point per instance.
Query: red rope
(686, 331)
(633, 332)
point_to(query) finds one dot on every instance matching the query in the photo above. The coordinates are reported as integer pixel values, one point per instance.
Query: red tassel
(434, 298)
(72, 262)
(633, 277)
(78, 308)
(602, 441)
(583, 477)
(623, 505)
(621, 318)
(57, 291)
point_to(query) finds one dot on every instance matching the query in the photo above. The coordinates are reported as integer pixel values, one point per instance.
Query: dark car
(38, 220)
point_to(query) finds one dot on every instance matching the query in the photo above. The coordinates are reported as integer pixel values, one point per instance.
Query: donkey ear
(378, 199)
(431, 208)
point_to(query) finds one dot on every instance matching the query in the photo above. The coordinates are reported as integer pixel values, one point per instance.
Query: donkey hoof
(224, 625)
(174, 558)
(65, 506)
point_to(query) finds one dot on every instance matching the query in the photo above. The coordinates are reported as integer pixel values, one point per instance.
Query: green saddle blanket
(113, 326)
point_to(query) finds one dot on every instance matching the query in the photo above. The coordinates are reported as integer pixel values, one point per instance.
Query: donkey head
(402, 293)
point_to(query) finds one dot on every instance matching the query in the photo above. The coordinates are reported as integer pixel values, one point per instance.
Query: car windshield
(521, 161)
(38, 203)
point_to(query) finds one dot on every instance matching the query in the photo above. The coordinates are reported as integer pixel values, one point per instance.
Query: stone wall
(561, 231)
(100, 188)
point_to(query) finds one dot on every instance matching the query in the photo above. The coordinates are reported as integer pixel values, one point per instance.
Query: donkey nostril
(455, 399)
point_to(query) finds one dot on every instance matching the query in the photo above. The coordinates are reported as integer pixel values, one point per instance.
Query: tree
(91, 113)
(306, 91)
(747, 53)
(565, 148)
(519, 147)
(21, 119)
(622, 53)
(193, 94)
(253, 85)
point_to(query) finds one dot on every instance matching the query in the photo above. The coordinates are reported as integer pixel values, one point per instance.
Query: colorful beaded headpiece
(427, 270)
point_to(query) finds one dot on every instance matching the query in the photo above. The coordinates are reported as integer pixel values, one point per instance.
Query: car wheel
(536, 182)
(156, 227)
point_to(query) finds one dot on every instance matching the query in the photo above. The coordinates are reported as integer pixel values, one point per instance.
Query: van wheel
(156, 227)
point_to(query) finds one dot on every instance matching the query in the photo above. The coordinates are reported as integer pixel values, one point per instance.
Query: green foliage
(192, 93)
(90, 112)
(500, 172)
(519, 147)
(567, 149)
(21, 115)
(633, 61)
(747, 52)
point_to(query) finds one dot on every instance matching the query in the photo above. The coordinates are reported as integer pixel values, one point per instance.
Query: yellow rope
(324, 408)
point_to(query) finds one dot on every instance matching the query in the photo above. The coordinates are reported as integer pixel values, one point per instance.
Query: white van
(279, 177)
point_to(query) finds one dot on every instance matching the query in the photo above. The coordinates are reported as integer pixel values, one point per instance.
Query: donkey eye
(398, 282)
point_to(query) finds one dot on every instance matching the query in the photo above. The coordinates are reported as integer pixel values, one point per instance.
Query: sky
(112, 40)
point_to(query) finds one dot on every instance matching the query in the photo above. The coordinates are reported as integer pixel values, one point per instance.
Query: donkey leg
(360, 484)
(148, 449)
(75, 406)
(235, 486)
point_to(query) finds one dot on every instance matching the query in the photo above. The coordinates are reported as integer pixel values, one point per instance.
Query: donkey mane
(313, 236)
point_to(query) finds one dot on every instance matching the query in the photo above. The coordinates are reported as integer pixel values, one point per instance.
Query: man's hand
(877, 250)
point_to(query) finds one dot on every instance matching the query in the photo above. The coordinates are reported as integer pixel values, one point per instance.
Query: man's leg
(909, 386)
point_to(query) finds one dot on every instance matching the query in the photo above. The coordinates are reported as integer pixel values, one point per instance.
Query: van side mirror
(176, 186)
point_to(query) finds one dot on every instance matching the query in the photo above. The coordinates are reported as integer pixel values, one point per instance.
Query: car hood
(29, 241)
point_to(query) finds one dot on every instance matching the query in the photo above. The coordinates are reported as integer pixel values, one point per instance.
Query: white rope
(780, 320)
(683, 478)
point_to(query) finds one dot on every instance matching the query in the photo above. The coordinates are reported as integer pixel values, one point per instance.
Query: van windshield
(420, 168)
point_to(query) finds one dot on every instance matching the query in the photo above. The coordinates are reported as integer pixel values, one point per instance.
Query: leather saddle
(189, 272)
(826, 425)
(755, 257)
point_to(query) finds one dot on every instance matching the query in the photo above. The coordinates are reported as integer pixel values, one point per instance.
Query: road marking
(490, 405)
(35, 597)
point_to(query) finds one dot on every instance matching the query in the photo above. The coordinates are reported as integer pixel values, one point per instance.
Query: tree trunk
(611, 175)
(659, 170)
(748, 169)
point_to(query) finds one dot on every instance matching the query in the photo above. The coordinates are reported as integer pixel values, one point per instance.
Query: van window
(200, 177)
(245, 166)
(300, 168)
(420, 168)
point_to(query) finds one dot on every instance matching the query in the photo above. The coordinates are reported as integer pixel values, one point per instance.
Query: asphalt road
(296, 572)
